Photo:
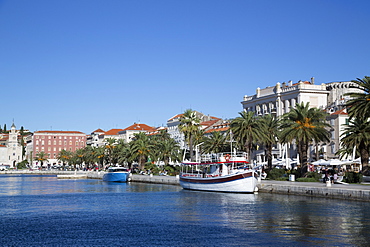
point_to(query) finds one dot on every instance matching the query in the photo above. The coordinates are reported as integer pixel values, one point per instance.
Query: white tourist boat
(226, 172)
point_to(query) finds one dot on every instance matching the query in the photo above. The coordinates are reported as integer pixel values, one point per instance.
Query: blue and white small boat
(117, 174)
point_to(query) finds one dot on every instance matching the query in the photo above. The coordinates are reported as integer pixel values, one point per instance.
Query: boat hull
(237, 183)
(116, 177)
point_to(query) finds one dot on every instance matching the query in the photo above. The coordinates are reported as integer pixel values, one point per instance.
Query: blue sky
(88, 64)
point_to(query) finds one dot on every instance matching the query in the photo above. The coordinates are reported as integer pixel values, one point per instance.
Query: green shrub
(154, 169)
(172, 170)
(353, 177)
(276, 174)
(314, 176)
(306, 180)
(22, 165)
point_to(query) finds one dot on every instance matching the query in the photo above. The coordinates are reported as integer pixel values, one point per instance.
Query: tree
(359, 104)
(244, 128)
(109, 150)
(42, 157)
(22, 134)
(141, 148)
(189, 125)
(304, 125)
(126, 153)
(64, 156)
(215, 143)
(357, 135)
(268, 131)
(169, 150)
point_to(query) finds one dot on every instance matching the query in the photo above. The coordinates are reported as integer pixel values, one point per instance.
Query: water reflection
(261, 219)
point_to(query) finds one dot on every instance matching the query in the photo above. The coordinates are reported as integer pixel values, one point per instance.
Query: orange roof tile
(340, 112)
(140, 127)
(209, 123)
(98, 130)
(112, 132)
(177, 116)
(218, 129)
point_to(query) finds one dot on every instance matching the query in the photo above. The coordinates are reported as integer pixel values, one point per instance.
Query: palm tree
(357, 135)
(215, 143)
(99, 154)
(109, 149)
(89, 156)
(189, 125)
(142, 148)
(126, 154)
(169, 150)
(78, 158)
(64, 156)
(268, 129)
(304, 125)
(244, 129)
(42, 157)
(359, 104)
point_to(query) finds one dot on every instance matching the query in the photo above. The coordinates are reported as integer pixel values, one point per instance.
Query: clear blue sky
(88, 64)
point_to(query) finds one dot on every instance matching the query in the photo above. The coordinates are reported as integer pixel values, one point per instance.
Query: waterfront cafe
(348, 165)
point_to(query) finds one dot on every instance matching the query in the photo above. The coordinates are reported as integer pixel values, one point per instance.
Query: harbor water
(39, 210)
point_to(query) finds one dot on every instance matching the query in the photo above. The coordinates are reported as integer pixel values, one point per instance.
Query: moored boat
(117, 174)
(220, 173)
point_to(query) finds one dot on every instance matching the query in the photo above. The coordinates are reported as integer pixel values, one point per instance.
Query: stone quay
(360, 192)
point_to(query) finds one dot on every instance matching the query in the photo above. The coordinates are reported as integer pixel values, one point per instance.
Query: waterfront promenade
(335, 191)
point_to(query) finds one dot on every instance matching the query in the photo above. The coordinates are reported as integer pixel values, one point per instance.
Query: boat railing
(200, 175)
(224, 157)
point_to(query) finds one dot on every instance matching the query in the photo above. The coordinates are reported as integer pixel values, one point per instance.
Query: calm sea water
(45, 211)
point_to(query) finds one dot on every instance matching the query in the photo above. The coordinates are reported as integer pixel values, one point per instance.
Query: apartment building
(128, 133)
(52, 142)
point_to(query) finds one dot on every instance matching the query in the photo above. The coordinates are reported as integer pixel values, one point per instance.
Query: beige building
(278, 99)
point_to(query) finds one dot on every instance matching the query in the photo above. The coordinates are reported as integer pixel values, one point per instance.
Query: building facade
(52, 142)
(10, 148)
(128, 133)
(278, 100)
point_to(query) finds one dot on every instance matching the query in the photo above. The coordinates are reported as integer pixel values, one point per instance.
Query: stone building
(52, 142)
(11, 148)
(279, 99)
